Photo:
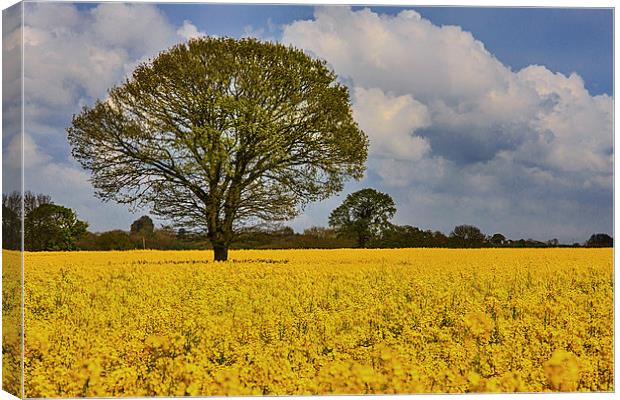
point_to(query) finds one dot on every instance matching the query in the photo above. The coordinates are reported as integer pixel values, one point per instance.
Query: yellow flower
(562, 371)
(278, 322)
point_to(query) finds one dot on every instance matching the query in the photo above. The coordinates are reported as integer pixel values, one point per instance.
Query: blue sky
(497, 117)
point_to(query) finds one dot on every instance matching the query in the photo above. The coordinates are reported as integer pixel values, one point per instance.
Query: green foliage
(467, 236)
(286, 238)
(409, 236)
(115, 240)
(600, 240)
(143, 226)
(51, 227)
(498, 239)
(11, 229)
(219, 133)
(364, 215)
(14, 205)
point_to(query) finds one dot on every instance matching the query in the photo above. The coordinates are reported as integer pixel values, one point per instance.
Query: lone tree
(219, 133)
(364, 215)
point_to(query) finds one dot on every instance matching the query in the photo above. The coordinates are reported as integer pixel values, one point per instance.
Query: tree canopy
(219, 133)
(467, 236)
(364, 214)
(143, 225)
(14, 208)
(52, 227)
(497, 239)
(600, 240)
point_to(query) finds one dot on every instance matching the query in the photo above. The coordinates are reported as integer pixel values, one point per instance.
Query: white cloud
(68, 185)
(472, 99)
(137, 28)
(72, 57)
(580, 125)
(32, 154)
(189, 31)
(445, 116)
(391, 122)
(88, 51)
(405, 54)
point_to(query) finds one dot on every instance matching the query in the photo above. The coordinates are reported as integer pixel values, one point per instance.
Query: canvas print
(233, 199)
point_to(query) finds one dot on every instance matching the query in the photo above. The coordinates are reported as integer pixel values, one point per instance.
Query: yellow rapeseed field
(145, 323)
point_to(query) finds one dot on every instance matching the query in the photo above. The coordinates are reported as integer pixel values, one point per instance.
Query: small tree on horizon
(143, 225)
(497, 239)
(218, 133)
(364, 215)
(467, 235)
(600, 240)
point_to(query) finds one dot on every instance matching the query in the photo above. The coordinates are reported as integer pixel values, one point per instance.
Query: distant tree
(283, 231)
(165, 238)
(88, 241)
(320, 232)
(395, 236)
(439, 239)
(11, 229)
(13, 202)
(467, 236)
(534, 243)
(32, 201)
(364, 215)
(52, 227)
(11, 221)
(167, 230)
(12, 215)
(497, 239)
(553, 242)
(218, 133)
(115, 240)
(143, 225)
(600, 240)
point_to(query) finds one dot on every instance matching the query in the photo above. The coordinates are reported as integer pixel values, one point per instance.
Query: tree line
(361, 221)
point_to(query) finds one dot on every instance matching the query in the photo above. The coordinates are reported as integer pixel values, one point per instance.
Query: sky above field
(500, 118)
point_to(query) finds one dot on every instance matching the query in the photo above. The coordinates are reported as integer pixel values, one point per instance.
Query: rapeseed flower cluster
(146, 323)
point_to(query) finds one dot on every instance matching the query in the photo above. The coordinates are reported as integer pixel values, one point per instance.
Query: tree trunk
(220, 252)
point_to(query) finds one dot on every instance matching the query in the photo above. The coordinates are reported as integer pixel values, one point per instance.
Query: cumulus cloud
(189, 31)
(72, 57)
(391, 123)
(400, 53)
(450, 122)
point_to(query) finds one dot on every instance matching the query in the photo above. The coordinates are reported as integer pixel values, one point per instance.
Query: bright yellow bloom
(145, 323)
